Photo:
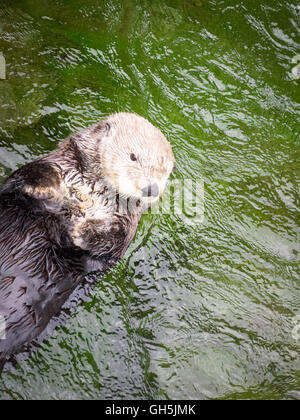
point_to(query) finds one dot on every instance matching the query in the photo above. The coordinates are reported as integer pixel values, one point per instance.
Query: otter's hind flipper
(39, 180)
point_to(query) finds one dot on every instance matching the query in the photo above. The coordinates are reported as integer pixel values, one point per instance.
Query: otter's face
(136, 157)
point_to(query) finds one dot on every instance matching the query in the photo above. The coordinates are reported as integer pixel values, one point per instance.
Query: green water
(192, 311)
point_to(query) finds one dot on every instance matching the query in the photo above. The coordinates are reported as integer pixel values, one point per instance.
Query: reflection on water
(193, 311)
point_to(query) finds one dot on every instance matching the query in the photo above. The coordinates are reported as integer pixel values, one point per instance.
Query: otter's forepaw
(76, 236)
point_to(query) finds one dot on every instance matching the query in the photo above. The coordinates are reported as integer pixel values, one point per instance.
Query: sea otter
(71, 212)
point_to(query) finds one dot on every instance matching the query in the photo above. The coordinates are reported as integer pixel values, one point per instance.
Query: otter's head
(136, 158)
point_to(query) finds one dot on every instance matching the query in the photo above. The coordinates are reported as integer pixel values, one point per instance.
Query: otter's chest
(88, 202)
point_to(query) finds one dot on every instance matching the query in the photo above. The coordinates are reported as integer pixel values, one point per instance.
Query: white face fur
(136, 157)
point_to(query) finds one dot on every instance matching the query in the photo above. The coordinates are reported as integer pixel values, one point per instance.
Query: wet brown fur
(51, 233)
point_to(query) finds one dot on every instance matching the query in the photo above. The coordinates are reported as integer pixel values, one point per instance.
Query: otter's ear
(105, 130)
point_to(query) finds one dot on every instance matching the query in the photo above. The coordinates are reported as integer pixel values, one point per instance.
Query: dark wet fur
(39, 266)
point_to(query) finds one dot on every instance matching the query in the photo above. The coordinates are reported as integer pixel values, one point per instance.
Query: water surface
(192, 311)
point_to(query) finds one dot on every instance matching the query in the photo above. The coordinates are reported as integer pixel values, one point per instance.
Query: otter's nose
(150, 190)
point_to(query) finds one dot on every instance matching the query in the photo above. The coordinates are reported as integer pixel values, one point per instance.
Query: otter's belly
(36, 278)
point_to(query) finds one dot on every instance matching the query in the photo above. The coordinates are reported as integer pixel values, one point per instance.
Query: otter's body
(61, 218)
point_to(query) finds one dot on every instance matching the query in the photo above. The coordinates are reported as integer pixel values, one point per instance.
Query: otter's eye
(133, 157)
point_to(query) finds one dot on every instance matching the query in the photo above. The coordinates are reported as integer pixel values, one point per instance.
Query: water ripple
(193, 311)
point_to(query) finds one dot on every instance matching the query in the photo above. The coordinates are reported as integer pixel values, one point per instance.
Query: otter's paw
(76, 236)
(40, 193)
